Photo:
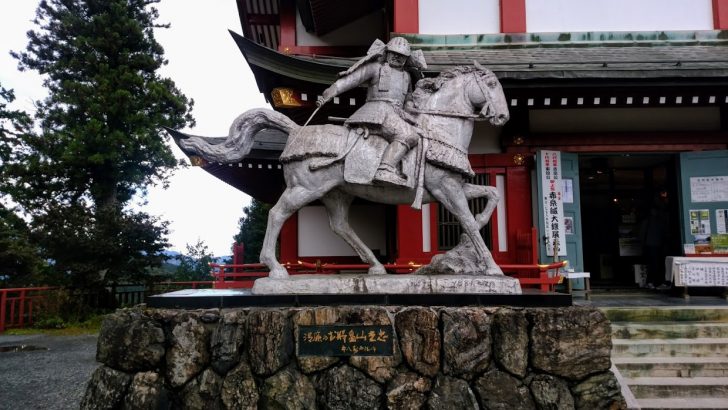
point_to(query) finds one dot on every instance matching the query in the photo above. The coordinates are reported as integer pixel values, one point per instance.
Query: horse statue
(444, 107)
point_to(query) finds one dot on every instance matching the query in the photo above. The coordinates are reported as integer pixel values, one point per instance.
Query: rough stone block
(408, 391)
(270, 341)
(288, 390)
(146, 392)
(551, 393)
(345, 388)
(419, 339)
(600, 391)
(510, 341)
(500, 390)
(239, 390)
(451, 393)
(202, 392)
(570, 342)
(466, 341)
(130, 341)
(106, 389)
(227, 341)
(189, 350)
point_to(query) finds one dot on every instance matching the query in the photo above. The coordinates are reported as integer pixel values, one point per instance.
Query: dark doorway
(618, 195)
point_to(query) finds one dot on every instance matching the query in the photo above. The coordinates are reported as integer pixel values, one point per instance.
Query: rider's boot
(387, 171)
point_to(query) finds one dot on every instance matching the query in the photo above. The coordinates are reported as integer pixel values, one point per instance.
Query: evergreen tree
(252, 229)
(100, 141)
(20, 261)
(194, 264)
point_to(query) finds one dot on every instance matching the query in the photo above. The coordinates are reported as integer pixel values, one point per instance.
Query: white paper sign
(709, 189)
(721, 219)
(702, 274)
(553, 207)
(568, 190)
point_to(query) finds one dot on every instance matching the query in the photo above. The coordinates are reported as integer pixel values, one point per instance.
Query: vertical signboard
(552, 202)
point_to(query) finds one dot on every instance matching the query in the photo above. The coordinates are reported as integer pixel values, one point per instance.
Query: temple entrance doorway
(630, 216)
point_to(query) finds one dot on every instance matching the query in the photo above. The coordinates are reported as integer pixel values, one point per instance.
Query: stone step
(668, 313)
(675, 403)
(672, 366)
(698, 347)
(668, 330)
(678, 387)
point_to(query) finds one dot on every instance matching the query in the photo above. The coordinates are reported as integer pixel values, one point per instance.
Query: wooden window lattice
(448, 227)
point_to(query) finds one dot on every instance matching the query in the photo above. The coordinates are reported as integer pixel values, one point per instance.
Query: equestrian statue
(405, 145)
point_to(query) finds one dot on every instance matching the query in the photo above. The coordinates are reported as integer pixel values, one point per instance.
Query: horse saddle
(361, 157)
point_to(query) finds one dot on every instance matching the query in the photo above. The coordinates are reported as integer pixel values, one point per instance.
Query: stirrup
(390, 177)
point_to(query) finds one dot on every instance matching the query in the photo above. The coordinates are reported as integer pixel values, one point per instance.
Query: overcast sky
(207, 66)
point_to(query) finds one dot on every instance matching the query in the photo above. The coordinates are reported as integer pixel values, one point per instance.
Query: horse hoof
(377, 270)
(278, 273)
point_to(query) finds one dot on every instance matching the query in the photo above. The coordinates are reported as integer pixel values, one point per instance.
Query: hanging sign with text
(345, 340)
(553, 204)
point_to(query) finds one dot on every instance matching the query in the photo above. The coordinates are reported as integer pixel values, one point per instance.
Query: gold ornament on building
(284, 97)
(518, 140)
(519, 159)
(197, 161)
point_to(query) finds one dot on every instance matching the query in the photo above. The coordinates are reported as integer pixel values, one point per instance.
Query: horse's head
(487, 94)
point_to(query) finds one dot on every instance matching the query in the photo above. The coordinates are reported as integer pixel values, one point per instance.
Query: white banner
(553, 204)
(702, 274)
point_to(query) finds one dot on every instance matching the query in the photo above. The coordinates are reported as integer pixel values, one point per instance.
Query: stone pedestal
(442, 358)
(387, 284)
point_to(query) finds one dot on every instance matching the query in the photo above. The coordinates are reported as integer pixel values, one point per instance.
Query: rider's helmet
(399, 45)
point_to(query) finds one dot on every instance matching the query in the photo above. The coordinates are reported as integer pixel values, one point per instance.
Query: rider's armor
(387, 89)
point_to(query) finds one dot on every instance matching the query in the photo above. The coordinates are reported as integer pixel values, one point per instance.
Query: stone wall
(444, 358)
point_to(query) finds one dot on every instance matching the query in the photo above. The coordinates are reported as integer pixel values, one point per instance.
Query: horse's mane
(428, 86)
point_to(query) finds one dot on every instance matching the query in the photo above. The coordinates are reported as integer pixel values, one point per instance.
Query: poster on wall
(700, 222)
(568, 191)
(709, 189)
(553, 203)
(719, 243)
(721, 220)
(568, 225)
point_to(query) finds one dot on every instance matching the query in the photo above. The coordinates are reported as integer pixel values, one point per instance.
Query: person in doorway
(655, 234)
(385, 70)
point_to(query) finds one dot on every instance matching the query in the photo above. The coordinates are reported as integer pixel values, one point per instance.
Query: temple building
(626, 100)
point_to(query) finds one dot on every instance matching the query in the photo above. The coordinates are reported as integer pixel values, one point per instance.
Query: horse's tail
(240, 139)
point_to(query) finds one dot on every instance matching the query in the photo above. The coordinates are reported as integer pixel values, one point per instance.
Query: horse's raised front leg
(479, 191)
(290, 201)
(449, 192)
(337, 204)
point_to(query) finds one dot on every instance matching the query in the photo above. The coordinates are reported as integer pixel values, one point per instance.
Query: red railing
(18, 305)
(242, 276)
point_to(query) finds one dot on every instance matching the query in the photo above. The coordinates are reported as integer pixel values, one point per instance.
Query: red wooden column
(289, 240)
(288, 26)
(513, 16)
(409, 235)
(406, 16)
(720, 14)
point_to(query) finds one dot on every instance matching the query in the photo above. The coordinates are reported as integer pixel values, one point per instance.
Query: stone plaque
(345, 340)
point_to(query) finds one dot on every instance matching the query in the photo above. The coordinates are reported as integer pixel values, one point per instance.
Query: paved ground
(46, 379)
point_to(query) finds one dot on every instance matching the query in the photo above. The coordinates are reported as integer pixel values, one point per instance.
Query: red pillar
(720, 14)
(289, 240)
(406, 16)
(288, 26)
(513, 16)
(3, 300)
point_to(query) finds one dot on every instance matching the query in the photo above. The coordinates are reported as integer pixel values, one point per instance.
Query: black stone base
(529, 298)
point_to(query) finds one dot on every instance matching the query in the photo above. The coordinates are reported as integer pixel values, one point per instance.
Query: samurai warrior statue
(387, 71)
